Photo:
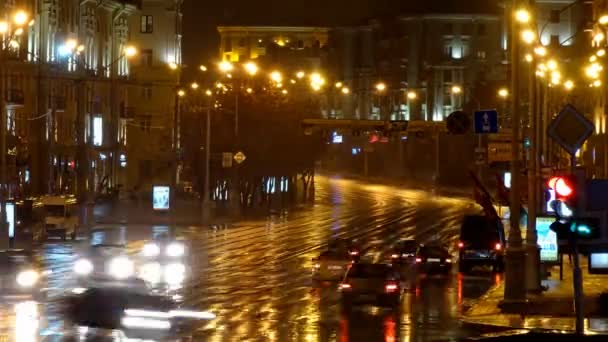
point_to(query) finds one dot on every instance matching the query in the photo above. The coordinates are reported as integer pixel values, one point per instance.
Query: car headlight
(175, 249)
(151, 250)
(151, 272)
(120, 268)
(27, 278)
(175, 273)
(83, 267)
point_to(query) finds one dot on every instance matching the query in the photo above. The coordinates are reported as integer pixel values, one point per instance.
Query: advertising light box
(546, 240)
(160, 197)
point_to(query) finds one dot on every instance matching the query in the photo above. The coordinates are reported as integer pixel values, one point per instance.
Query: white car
(20, 276)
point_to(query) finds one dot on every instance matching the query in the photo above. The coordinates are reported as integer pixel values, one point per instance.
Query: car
(371, 283)
(403, 253)
(20, 276)
(163, 263)
(130, 312)
(60, 219)
(432, 259)
(331, 265)
(105, 260)
(340, 245)
(481, 243)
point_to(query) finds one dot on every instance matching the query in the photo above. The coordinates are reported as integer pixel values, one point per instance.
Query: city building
(288, 46)
(152, 109)
(63, 70)
(420, 66)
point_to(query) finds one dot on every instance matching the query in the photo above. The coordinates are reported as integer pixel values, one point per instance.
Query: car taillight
(345, 286)
(498, 247)
(395, 256)
(390, 287)
(418, 260)
(460, 244)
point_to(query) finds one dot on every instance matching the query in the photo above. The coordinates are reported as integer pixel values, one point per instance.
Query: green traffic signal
(585, 228)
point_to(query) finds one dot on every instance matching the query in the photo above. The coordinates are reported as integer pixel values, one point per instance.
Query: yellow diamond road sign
(239, 157)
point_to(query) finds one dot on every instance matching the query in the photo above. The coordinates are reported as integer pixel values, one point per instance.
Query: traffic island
(550, 310)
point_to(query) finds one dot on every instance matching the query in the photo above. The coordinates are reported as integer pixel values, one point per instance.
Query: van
(482, 243)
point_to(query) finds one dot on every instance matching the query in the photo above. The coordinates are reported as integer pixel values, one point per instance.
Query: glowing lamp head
(563, 188)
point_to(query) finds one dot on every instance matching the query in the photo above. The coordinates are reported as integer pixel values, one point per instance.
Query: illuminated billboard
(160, 197)
(97, 131)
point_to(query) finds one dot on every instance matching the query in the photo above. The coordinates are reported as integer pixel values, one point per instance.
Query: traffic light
(564, 205)
(586, 228)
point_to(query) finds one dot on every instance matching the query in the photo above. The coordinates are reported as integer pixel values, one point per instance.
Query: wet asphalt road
(255, 276)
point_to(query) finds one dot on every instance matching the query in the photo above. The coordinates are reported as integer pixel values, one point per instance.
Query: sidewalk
(551, 310)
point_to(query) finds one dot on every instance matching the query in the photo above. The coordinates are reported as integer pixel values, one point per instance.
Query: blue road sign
(486, 121)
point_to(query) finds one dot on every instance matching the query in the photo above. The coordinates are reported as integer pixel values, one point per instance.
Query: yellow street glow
(522, 15)
(528, 36)
(251, 68)
(597, 83)
(276, 76)
(412, 95)
(529, 58)
(598, 37)
(503, 92)
(226, 66)
(380, 86)
(338, 84)
(208, 92)
(300, 74)
(172, 66)
(345, 90)
(181, 93)
(603, 19)
(568, 85)
(203, 68)
(592, 58)
(3, 26)
(456, 89)
(249, 90)
(540, 50)
(20, 18)
(194, 85)
(601, 53)
(130, 51)
(552, 64)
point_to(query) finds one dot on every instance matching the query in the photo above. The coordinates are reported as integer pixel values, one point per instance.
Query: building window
(447, 75)
(448, 29)
(97, 131)
(147, 24)
(481, 29)
(554, 16)
(146, 123)
(228, 45)
(481, 54)
(146, 57)
(448, 50)
(300, 44)
(146, 93)
(260, 43)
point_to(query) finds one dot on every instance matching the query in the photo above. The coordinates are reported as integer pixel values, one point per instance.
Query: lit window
(97, 131)
(481, 54)
(147, 24)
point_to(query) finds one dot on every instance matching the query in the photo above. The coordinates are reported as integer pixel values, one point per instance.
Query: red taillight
(498, 247)
(345, 286)
(418, 260)
(460, 244)
(391, 287)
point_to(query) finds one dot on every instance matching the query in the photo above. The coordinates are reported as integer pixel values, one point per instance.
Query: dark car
(131, 312)
(344, 245)
(404, 252)
(20, 276)
(433, 259)
(481, 243)
(366, 283)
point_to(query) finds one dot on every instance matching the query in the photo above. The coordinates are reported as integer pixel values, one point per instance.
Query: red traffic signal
(563, 186)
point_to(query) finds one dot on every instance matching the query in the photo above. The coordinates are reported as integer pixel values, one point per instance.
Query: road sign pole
(577, 276)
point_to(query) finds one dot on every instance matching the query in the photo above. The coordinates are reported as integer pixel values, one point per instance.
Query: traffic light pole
(577, 276)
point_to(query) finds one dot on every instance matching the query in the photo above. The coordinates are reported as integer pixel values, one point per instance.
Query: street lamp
(522, 15)
(130, 50)
(203, 68)
(601, 53)
(276, 76)
(345, 91)
(552, 64)
(300, 74)
(3, 27)
(208, 92)
(597, 83)
(20, 18)
(603, 19)
(194, 85)
(226, 66)
(598, 37)
(529, 58)
(251, 68)
(181, 93)
(528, 36)
(412, 95)
(568, 85)
(503, 92)
(380, 87)
(540, 50)
(338, 84)
(173, 66)
(456, 89)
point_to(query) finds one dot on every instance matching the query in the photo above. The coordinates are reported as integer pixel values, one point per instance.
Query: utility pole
(532, 249)
(206, 210)
(515, 284)
(235, 198)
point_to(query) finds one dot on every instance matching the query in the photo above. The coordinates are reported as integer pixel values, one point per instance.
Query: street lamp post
(515, 289)
(206, 205)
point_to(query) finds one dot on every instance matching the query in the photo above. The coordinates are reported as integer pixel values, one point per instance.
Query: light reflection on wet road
(256, 276)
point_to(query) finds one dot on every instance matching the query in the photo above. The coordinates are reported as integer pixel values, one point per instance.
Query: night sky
(201, 17)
